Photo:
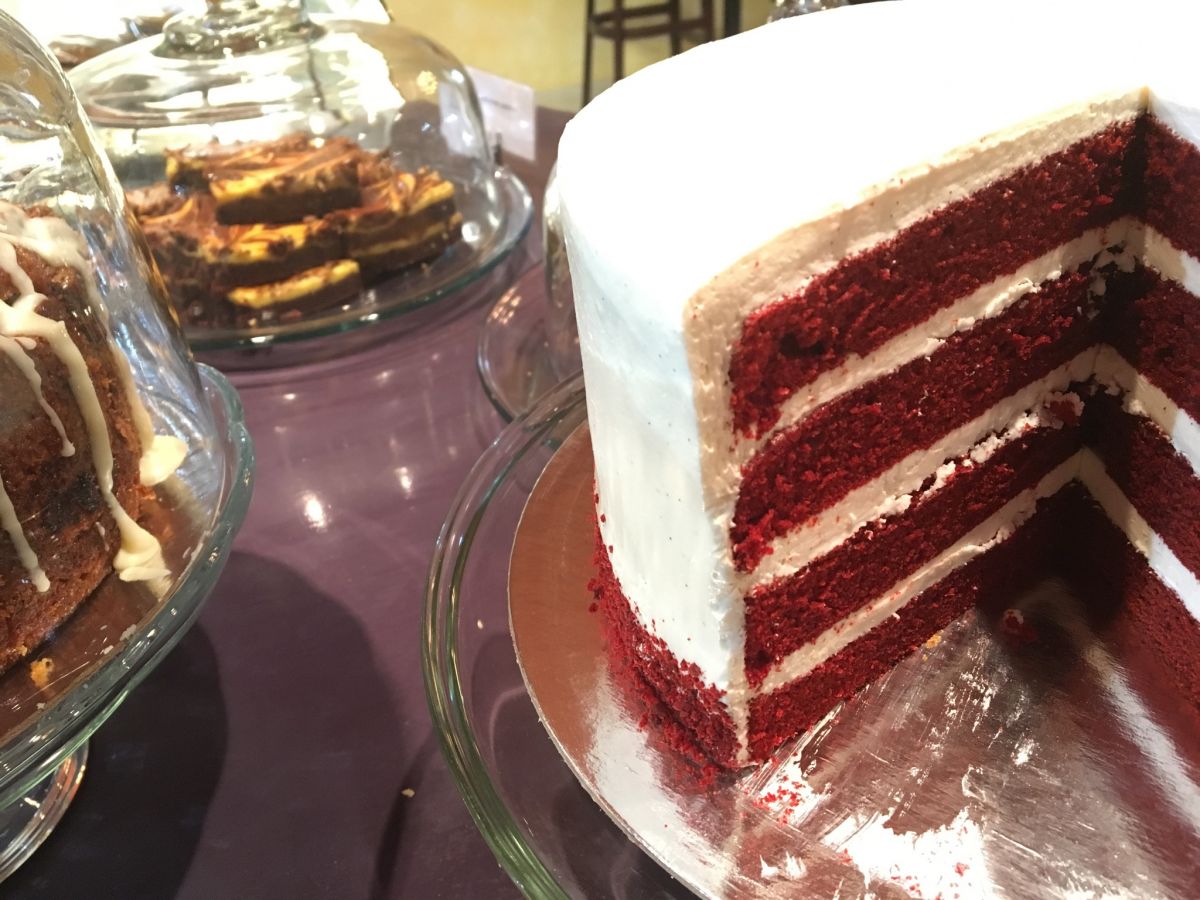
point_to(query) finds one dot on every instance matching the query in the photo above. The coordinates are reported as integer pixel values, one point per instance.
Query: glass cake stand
(490, 234)
(235, 71)
(53, 701)
(520, 357)
(982, 766)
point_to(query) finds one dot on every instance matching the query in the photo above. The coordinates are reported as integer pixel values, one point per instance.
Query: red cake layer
(1069, 535)
(660, 676)
(788, 613)
(850, 440)
(874, 296)
(1156, 637)
(1171, 184)
(999, 573)
(1157, 332)
(1159, 482)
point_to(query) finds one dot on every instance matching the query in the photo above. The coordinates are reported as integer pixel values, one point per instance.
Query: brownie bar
(193, 249)
(286, 185)
(189, 168)
(240, 255)
(402, 205)
(393, 255)
(274, 181)
(255, 216)
(316, 288)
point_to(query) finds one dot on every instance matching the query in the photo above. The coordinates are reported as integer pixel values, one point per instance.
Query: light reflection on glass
(314, 511)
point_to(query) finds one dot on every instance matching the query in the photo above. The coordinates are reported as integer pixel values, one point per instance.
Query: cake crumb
(409, 792)
(934, 640)
(1014, 627)
(40, 671)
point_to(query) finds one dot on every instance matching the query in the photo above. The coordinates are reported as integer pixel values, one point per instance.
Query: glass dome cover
(124, 469)
(248, 72)
(245, 71)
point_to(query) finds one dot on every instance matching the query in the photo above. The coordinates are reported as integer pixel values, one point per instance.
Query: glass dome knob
(230, 27)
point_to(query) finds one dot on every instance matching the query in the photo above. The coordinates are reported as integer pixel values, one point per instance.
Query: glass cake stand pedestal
(52, 702)
(26, 823)
(984, 765)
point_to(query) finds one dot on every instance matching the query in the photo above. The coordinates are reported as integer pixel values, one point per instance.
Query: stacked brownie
(254, 233)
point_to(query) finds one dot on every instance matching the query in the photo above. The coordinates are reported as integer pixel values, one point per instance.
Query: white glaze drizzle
(58, 243)
(23, 361)
(12, 526)
(140, 555)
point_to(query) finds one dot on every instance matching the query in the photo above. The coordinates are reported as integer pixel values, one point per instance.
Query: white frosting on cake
(1142, 398)
(1166, 259)
(703, 188)
(1162, 560)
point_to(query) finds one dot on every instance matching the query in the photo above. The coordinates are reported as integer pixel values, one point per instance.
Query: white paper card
(509, 113)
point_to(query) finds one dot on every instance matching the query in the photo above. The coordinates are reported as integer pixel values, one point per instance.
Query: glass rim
(439, 654)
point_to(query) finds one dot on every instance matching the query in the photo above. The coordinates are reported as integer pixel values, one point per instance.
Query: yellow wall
(538, 42)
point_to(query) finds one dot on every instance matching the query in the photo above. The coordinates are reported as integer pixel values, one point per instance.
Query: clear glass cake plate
(53, 701)
(982, 766)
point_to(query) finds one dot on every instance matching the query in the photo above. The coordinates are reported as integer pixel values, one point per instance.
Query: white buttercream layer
(1157, 252)
(1084, 466)
(1141, 397)
(927, 337)
(886, 493)
(996, 529)
(1162, 559)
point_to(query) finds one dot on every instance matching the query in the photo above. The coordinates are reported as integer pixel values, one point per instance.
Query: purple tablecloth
(284, 748)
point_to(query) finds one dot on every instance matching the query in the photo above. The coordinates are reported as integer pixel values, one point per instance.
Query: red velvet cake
(902, 367)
